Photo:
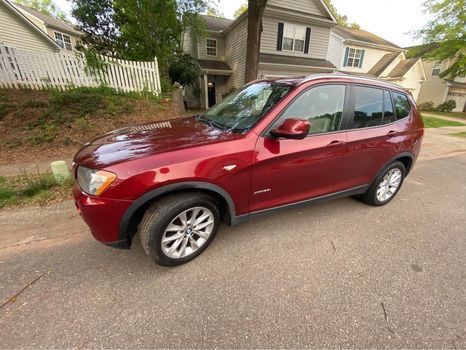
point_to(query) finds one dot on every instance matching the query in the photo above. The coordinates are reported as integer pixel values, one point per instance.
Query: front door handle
(392, 133)
(336, 143)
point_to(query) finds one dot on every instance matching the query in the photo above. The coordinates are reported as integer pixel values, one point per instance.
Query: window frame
(344, 118)
(354, 58)
(62, 40)
(207, 47)
(285, 24)
(436, 67)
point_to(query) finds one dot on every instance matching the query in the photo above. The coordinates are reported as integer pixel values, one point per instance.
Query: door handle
(392, 133)
(336, 143)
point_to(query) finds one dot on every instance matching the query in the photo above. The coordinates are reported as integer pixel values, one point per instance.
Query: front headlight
(94, 181)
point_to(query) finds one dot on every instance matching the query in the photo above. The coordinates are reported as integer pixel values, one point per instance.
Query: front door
(288, 171)
(211, 93)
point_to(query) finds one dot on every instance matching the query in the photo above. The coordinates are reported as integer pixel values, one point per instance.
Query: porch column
(206, 92)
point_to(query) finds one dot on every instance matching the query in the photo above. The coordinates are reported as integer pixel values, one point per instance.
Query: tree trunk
(255, 13)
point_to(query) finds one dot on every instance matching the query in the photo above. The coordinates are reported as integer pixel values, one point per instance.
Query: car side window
(388, 114)
(402, 105)
(322, 106)
(368, 107)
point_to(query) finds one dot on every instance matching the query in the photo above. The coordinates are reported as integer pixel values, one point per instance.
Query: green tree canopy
(47, 7)
(445, 35)
(342, 20)
(239, 11)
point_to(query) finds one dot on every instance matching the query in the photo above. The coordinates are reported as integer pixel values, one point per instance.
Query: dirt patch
(46, 124)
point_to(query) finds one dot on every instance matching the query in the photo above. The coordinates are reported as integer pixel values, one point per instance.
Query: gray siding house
(294, 42)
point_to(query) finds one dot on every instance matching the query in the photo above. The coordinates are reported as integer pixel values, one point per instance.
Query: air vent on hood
(152, 126)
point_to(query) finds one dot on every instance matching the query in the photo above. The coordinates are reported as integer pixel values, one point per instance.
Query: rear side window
(402, 105)
(368, 107)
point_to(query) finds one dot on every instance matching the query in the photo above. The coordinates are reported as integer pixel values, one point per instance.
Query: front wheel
(386, 185)
(179, 227)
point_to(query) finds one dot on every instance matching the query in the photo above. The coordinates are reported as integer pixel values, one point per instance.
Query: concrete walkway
(437, 143)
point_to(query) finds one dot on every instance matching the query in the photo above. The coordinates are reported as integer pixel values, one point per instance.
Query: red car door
(287, 171)
(371, 137)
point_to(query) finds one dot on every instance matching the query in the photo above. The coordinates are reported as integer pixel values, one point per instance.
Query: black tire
(160, 214)
(370, 197)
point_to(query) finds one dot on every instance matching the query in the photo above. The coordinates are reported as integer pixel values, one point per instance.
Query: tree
(240, 10)
(445, 34)
(213, 10)
(96, 18)
(255, 13)
(47, 7)
(342, 20)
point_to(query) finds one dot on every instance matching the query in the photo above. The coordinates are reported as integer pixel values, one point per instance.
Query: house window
(436, 69)
(211, 45)
(294, 37)
(63, 40)
(354, 57)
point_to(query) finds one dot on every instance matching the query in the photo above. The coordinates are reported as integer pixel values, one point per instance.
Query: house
(357, 51)
(17, 30)
(438, 90)
(62, 32)
(294, 42)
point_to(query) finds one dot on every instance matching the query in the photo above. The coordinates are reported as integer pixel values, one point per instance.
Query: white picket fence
(62, 70)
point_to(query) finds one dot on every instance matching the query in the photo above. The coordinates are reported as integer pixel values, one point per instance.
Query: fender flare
(398, 156)
(188, 185)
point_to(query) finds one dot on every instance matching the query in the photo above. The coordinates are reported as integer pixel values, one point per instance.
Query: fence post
(157, 77)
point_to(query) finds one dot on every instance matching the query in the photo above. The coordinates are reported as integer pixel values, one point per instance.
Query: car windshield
(243, 108)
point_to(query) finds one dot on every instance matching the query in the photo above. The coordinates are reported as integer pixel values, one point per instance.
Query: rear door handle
(392, 133)
(336, 143)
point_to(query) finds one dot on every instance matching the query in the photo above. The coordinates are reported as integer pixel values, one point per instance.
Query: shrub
(426, 106)
(446, 106)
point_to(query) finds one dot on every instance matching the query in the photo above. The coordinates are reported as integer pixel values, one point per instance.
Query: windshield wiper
(209, 122)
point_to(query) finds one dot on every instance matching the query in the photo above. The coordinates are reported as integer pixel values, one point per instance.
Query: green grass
(31, 189)
(459, 134)
(460, 115)
(432, 122)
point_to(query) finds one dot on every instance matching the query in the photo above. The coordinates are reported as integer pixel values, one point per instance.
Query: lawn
(459, 134)
(459, 115)
(432, 122)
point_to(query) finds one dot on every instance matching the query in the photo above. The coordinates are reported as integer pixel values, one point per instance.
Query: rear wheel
(386, 185)
(179, 227)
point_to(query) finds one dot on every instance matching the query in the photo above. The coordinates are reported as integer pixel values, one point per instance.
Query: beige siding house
(356, 51)
(17, 30)
(294, 42)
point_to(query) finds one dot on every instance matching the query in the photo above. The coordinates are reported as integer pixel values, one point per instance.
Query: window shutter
(280, 37)
(345, 61)
(362, 57)
(308, 39)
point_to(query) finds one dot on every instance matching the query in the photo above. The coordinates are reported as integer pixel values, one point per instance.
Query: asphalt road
(335, 274)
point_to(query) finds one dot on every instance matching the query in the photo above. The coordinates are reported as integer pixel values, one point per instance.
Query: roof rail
(348, 76)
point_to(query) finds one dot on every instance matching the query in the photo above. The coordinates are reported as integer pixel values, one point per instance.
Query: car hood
(143, 140)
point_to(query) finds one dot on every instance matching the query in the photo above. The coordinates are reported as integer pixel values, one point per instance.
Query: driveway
(335, 274)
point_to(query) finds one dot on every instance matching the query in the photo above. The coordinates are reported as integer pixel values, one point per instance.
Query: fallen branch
(13, 298)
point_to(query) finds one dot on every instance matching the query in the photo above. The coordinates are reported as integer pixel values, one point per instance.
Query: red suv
(271, 145)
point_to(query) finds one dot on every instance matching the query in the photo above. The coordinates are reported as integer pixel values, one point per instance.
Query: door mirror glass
(292, 128)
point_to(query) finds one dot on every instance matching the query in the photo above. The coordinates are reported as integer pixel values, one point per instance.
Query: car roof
(296, 81)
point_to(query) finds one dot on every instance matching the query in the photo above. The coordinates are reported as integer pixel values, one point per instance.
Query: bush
(446, 106)
(426, 106)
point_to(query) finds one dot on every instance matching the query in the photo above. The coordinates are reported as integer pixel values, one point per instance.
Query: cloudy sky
(390, 19)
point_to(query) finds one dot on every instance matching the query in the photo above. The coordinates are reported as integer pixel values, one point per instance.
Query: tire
(162, 227)
(371, 197)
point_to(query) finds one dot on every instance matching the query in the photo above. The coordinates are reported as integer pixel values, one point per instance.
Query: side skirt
(346, 193)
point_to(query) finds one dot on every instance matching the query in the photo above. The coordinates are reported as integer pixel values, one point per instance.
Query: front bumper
(103, 217)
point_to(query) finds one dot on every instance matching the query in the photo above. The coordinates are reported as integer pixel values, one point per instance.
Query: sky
(390, 19)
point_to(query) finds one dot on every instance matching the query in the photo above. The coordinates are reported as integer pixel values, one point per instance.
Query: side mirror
(292, 128)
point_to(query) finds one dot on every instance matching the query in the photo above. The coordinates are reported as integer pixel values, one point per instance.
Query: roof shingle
(383, 63)
(217, 24)
(362, 35)
(402, 68)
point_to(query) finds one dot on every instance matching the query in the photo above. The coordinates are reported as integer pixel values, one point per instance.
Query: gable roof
(30, 24)
(49, 21)
(217, 24)
(362, 36)
(383, 63)
(403, 67)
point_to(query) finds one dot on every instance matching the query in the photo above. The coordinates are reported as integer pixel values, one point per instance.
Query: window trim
(63, 41)
(294, 37)
(344, 118)
(207, 47)
(360, 59)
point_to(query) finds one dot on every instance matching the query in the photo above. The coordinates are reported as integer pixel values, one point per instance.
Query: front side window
(402, 105)
(243, 108)
(368, 107)
(294, 37)
(211, 45)
(354, 58)
(322, 106)
(63, 40)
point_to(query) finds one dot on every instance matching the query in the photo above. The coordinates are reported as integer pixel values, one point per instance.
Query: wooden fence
(62, 70)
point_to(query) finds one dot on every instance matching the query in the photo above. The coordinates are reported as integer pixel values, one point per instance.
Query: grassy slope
(459, 115)
(432, 122)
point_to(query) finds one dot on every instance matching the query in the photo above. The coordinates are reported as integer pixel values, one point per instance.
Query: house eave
(372, 45)
(295, 66)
